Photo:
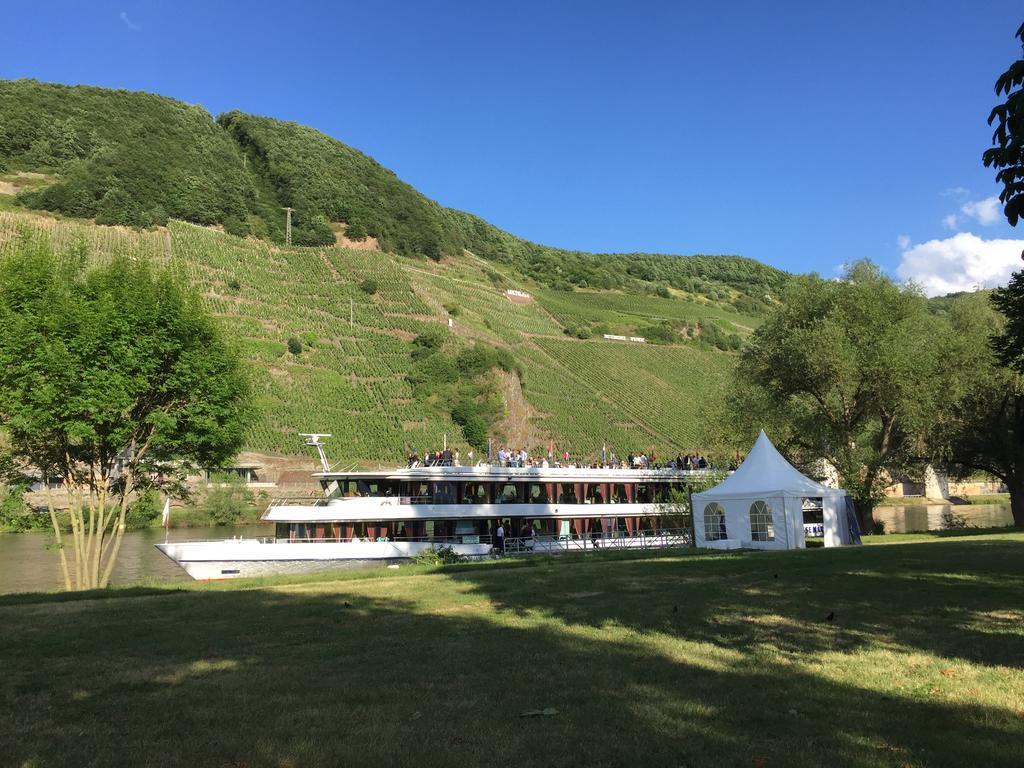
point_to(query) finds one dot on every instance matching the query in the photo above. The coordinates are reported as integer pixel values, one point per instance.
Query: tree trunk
(1017, 502)
(865, 515)
(56, 532)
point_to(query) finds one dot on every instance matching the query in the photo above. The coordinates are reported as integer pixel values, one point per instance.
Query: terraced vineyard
(632, 396)
(350, 378)
(623, 312)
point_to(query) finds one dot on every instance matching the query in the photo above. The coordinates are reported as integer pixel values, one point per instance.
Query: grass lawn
(675, 659)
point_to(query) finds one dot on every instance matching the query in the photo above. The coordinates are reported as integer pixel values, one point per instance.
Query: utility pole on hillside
(288, 226)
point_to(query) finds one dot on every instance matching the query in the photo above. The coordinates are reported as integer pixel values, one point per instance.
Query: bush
(144, 510)
(15, 514)
(578, 331)
(495, 277)
(116, 207)
(294, 346)
(661, 333)
(227, 499)
(308, 339)
(234, 225)
(452, 309)
(234, 285)
(369, 287)
(439, 556)
(356, 230)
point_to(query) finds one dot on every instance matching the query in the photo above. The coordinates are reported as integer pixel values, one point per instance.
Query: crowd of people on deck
(514, 458)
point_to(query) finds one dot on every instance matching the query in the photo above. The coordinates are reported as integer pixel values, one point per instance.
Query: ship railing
(436, 540)
(539, 544)
(597, 541)
(299, 501)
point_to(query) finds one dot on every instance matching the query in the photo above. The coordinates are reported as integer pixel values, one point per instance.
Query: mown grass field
(674, 659)
(350, 378)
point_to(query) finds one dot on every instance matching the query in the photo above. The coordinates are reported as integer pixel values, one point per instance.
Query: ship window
(507, 493)
(714, 522)
(567, 493)
(474, 493)
(332, 488)
(644, 493)
(761, 526)
(537, 493)
(443, 493)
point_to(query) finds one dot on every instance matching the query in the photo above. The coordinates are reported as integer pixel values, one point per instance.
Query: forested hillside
(358, 342)
(137, 159)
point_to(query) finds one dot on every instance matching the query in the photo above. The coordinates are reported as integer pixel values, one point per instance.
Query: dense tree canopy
(845, 370)
(1007, 153)
(982, 427)
(114, 379)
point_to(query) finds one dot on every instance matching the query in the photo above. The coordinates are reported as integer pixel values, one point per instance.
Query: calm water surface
(27, 565)
(937, 517)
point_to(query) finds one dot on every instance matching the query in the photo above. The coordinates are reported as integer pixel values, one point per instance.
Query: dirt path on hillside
(518, 426)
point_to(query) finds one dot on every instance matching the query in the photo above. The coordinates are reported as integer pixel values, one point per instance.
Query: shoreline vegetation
(696, 658)
(221, 503)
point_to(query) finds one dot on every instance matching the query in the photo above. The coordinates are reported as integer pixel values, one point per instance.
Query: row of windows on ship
(482, 531)
(502, 492)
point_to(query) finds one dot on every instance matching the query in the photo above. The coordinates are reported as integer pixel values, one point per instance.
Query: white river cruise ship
(393, 515)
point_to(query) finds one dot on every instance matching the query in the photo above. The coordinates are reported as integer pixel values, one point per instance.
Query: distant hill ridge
(139, 159)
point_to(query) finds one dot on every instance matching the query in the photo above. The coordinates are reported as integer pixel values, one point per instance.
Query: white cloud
(903, 241)
(958, 193)
(963, 262)
(987, 211)
(128, 22)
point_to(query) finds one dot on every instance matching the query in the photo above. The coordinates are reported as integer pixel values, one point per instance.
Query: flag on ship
(167, 513)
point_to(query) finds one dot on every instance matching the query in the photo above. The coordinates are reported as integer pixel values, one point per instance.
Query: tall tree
(983, 424)
(114, 379)
(1007, 156)
(844, 370)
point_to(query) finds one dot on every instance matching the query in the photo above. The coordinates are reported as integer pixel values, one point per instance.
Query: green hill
(136, 159)
(355, 340)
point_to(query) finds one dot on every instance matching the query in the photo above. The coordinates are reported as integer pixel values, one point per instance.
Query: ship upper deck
(535, 473)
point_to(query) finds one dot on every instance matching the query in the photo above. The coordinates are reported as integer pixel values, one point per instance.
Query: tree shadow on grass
(948, 601)
(437, 670)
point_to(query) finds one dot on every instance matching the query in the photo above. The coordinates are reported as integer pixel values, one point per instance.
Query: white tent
(760, 505)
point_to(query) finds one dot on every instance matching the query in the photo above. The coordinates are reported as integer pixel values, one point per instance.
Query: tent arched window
(762, 527)
(714, 522)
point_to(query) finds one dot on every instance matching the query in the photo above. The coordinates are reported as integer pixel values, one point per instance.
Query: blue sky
(805, 135)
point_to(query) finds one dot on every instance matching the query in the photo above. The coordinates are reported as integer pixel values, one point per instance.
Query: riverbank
(919, 501)
(907, 653)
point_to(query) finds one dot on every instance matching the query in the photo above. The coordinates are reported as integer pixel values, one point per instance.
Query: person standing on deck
(499, 538)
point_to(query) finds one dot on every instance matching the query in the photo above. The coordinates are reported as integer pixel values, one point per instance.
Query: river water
(27, 564)
(939, 517)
